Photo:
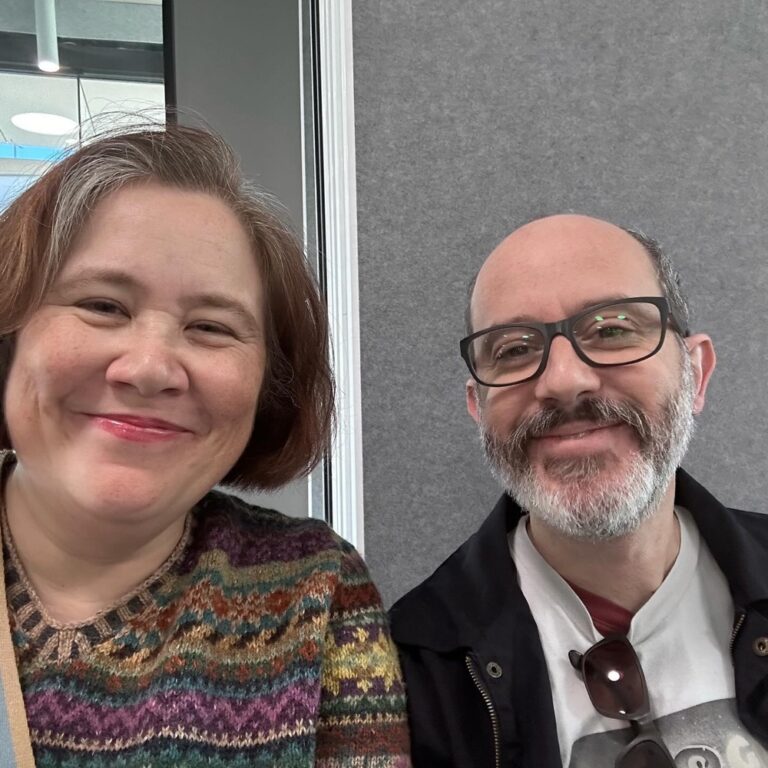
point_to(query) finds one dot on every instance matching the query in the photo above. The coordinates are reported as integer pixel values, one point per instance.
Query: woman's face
(133, 388)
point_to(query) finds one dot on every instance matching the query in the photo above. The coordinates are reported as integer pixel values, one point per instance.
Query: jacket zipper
(491, 711)
(736, 627)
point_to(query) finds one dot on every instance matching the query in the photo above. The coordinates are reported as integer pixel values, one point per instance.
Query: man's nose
(567, 378)
(150, 362)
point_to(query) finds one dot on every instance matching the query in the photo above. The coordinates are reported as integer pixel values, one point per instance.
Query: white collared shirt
(682, 638)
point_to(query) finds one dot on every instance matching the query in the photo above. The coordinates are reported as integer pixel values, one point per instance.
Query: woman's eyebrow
(116, 277)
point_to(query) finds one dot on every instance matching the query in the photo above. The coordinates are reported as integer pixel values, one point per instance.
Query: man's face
(589, 451)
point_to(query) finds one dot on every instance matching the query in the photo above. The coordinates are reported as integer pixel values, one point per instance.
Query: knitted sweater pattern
(260, 642)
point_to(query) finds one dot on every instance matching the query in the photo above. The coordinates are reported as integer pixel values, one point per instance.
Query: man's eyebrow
(517, 319)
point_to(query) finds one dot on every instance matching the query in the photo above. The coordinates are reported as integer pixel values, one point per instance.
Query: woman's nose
(149, 361)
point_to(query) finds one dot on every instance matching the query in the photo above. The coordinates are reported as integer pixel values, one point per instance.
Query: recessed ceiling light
(42, 122)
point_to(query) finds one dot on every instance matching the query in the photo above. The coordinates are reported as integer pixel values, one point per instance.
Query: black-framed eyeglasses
(616, 686)
(615, 333)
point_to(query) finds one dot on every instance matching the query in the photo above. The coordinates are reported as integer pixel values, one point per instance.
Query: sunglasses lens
(615, 681)
(645, 754)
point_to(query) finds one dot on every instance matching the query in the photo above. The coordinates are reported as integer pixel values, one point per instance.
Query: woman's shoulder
(252, 535)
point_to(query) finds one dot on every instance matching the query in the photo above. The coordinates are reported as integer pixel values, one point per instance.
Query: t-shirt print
(708, 735)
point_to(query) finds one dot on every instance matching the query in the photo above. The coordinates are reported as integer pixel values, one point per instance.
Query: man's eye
(102, 307)
(612, 331)
(513, 355)
(512, 350)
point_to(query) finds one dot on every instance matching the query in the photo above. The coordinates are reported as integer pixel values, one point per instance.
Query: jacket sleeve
(362, 720)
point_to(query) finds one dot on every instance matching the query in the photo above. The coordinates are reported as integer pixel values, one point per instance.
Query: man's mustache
(599, 411)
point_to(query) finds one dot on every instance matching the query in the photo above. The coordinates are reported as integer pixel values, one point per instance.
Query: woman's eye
(102, 307)
(214, 328)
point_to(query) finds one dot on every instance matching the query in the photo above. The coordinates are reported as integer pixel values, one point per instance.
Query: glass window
(110, 75)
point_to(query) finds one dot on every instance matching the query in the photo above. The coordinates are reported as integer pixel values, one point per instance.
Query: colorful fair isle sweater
(261, 642)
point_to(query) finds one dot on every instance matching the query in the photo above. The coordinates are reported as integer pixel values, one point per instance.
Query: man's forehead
(562, 236)
(560, 261)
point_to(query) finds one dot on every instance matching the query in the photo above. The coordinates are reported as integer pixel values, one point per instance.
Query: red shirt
(608, 617)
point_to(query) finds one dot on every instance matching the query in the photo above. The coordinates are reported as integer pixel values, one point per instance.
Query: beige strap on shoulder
(13, 716)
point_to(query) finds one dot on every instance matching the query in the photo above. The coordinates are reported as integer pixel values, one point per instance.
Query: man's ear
(701, 351)
(473, 400)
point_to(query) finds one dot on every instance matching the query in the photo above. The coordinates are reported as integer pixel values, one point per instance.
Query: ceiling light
(42, 122)
(47, 40)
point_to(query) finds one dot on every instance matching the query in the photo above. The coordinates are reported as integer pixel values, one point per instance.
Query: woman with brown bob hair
(161, 333)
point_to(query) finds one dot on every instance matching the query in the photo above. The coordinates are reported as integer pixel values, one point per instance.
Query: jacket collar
(466, 595)
(737, 540)
(476, 587)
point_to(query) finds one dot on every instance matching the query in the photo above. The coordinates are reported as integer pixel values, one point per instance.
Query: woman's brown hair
(294, 418)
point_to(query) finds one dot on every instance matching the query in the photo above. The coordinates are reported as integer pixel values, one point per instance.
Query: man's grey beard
(585, 506)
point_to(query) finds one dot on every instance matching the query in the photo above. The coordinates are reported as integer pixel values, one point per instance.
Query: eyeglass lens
(615, 681)
(645, 754)
(616, 686)
(612, 335)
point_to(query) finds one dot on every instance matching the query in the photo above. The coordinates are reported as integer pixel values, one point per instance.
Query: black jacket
(478, 690)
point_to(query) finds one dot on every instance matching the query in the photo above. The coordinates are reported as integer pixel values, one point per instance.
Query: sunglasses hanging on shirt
(617, 689)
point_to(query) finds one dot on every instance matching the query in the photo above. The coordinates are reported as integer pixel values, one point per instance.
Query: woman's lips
(138, 429)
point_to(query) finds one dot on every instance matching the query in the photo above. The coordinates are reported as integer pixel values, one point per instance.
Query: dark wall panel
(237, 69)
(474, 117)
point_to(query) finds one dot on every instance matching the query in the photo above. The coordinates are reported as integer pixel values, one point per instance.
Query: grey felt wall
(473, 117)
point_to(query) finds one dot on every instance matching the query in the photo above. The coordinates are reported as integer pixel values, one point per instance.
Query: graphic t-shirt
(682, 638)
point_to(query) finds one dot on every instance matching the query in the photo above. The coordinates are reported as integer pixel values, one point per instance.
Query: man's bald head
(561, 229)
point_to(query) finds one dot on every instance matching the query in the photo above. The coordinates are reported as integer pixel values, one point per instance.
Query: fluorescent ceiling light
(42, 122)
(47, 39)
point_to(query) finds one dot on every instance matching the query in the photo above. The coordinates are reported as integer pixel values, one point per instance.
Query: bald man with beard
(610, 612)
